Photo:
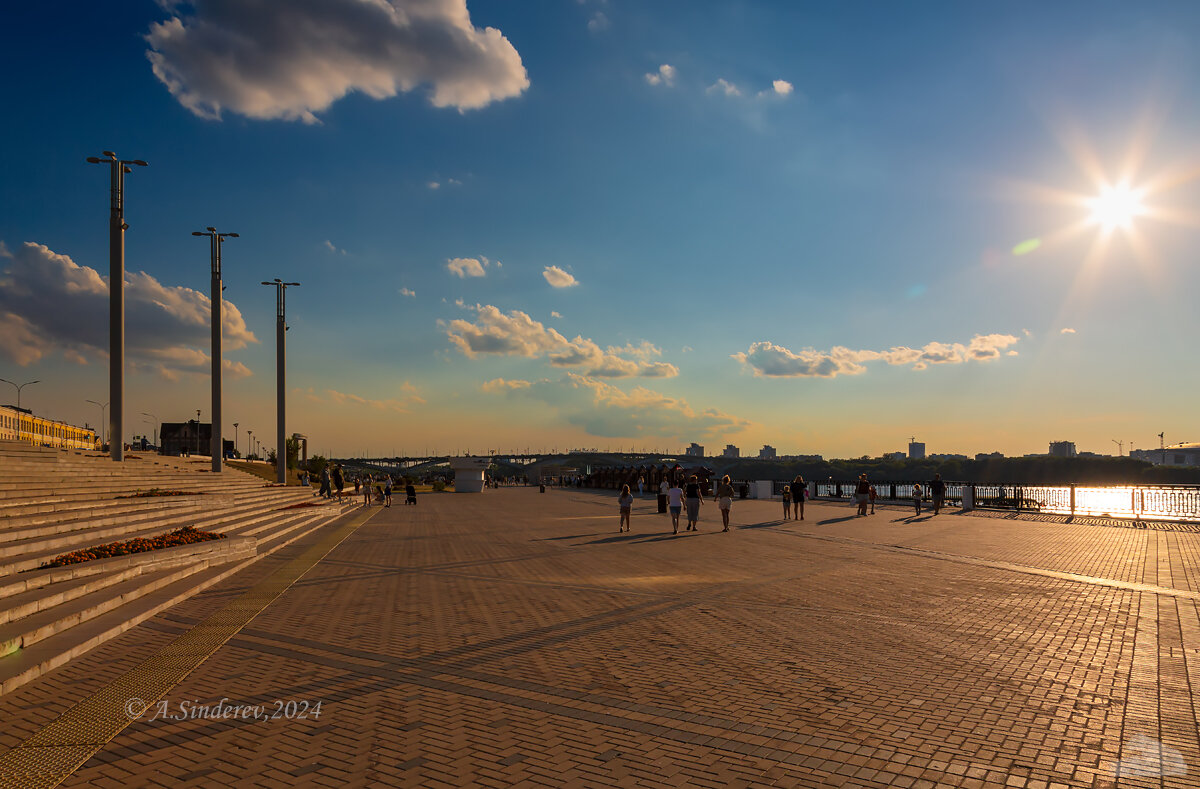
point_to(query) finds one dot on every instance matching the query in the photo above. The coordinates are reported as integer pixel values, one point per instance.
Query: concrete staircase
(54, 501)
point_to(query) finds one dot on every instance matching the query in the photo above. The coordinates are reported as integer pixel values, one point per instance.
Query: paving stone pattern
(516, 639)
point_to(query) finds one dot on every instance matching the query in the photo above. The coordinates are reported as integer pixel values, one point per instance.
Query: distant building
(916, 450)
(948, 456)
(767, 452)
(989, 455)
(894, 456)
(1171, 455)
(1062, 449)
(20, 424)
(731, 452)
(694, 451)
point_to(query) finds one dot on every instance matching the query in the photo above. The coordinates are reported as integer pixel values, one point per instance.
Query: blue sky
(736, 190)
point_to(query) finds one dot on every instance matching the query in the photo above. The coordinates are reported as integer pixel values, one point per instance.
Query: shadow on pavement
(838, 520)
(763, 525)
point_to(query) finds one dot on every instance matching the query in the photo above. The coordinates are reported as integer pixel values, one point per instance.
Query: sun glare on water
(1116, 206)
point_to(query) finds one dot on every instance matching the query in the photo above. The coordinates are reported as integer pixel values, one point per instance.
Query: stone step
(230, 547)
(21, 555)
(43, 656)
(47, 512)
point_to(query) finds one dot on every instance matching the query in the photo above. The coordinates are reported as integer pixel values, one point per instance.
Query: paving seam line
(1129, 586)
(52, 754)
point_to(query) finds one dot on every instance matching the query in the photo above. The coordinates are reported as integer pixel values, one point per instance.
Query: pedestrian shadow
(623, 537)
(763, 525)
(662, 537)
(838, 520)
(569, 536)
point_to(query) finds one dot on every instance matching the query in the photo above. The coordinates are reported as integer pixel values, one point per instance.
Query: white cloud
(50, 303)
(768, 359)
(1067, 331)
(292, 60)
(665, 76)
(555, 314)
(602, 409)
(558, 278)
(517, 334)
(724, 86)
(335, 250)
(466, 267)
(782, 87)
(598, 23)
(408, 292)
(433, 185)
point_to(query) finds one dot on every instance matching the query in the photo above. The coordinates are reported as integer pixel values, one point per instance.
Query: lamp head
(211, 229)
(232, 235)
(198, 233)
(93, 160)
(140, 163)
(109, 154)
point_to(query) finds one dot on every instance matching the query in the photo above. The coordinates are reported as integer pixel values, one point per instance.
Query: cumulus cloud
(602, 409)
(292, 60)
(555, 314)
(467, 267)
(782, 87)
(406, 397)
(665, 76)
(558, 278)
(517, 334)
(433, 185)
(598, 23)
(1067, 331)
(724, 86)
(768, 359)
(50, 303)
(408, 292)
(334, 249)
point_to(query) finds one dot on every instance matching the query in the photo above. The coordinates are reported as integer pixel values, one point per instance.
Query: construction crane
(1162, 448)
(1120, 447)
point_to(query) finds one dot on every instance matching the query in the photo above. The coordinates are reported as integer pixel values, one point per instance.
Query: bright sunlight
(1116, 206)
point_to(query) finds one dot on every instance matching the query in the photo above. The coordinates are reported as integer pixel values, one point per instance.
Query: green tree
(293, 452)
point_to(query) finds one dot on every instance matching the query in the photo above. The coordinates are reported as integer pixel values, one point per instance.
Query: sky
(827, 227)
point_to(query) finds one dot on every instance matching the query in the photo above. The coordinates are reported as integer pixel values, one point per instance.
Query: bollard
(1072, 499)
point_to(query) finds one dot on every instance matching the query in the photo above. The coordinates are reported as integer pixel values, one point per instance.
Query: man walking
(324, 490)
(937, 490)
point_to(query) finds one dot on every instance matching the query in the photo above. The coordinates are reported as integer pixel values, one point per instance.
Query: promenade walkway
(516, 639)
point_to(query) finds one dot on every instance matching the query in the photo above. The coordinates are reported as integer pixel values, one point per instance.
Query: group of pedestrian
(865, 494)
(680, 499)
(331, 478)
(793, 499)
(384, 485)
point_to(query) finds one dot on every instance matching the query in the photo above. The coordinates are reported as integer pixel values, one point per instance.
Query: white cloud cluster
(1067, 331)
(768, 359)
(604, 410)
(559, 278)
(293, 59)
(334, 249)
(448, 182)
(517, 334)
(665, 76)
(50, 303)
(782, 87)
(407, 398)
(409, 292)
(468, 267)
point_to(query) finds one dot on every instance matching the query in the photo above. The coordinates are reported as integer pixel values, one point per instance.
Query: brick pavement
(513, 638)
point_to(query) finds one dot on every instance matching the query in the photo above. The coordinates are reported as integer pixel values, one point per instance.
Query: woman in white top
(625, 501)
(675, 504)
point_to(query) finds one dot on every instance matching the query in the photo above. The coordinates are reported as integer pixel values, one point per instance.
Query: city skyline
(600, 224)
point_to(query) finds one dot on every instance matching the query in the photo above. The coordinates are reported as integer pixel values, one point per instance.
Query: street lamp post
(235, 437)
(249, 443)
(197, 431)
(155, 423)
(215, 241)
(19, 387)
(116, 297)
(102, 407)
(280, 356)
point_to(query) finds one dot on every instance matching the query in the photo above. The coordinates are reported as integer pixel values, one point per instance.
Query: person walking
(693, 499)
(917, 497)
(724, 498)
(862, 492)
(799, 493)
(387, 490)
(339, 481)
(641, 486)
(625, 502)
(871, 494)
(366, 488)
(663, 487)
(675, 504)
(325, 491)
(937, 491)
(787, 501)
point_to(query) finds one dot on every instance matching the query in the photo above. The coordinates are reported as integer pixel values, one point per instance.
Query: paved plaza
(516, 639)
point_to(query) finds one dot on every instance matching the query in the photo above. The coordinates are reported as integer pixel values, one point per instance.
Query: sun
(1116, 206)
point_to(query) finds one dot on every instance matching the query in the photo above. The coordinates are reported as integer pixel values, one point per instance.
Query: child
(787, 501)
(625, 502)
(387, 491)
(872, 494)
(917, 497)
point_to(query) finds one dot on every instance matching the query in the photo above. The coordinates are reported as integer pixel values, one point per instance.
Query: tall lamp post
(249, 443)
(155, 423)
(19, 387)
(102, 407)
(215, 240)
(280, 327)
(197, 431)
(116, 297)
(235, 437)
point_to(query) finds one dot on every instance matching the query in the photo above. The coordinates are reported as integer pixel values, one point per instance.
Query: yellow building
(24, 426)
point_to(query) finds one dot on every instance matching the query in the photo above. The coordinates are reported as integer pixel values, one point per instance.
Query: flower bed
(184, 536)
(156, 492)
